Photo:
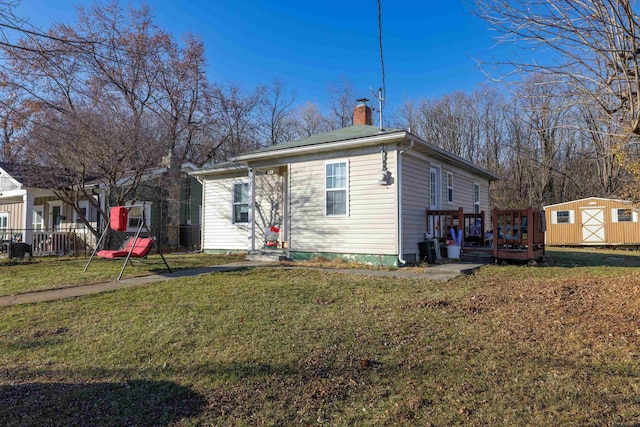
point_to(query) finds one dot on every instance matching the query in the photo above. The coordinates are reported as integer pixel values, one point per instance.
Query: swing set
(136, 247)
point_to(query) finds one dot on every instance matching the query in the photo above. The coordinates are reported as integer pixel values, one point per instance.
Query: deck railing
(520, 230)
(73, 242)
(439, 222)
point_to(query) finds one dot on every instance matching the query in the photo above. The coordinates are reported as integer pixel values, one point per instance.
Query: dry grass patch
(513, 346)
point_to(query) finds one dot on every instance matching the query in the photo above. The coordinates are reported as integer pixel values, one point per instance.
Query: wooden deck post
(530, 232)
(494, 243)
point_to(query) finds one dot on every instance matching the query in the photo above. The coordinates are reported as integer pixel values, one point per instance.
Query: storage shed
(592, 221)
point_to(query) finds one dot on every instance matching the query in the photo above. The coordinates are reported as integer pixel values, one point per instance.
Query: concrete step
(268, 255)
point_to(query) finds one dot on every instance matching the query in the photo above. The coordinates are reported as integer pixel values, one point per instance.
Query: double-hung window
(240, 202)
(136, 213)
(336, 191)
(449, 187)
(4, 225)
(38, 218)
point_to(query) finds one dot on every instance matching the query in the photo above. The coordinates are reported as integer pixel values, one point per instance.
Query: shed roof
(584, 200)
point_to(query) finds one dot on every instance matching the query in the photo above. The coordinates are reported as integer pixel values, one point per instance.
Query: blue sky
(428, 45)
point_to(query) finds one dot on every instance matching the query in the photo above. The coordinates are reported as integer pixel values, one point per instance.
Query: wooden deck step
(476, 255)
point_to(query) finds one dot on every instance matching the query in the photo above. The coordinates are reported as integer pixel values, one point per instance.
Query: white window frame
(615, 215)
(51, 224)
(476, 197)
(147, 214)
(345, 188)
(450, 188)
(554, 216)
(83, 204)
(4, 226)
(38, 212)
(234, 203)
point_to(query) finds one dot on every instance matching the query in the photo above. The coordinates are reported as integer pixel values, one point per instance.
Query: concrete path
(440, 273)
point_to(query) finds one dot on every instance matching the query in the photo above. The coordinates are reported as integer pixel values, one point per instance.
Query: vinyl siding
(219, 232)
(416, 196)
(15, 211)
(415, 201)
(369, 228)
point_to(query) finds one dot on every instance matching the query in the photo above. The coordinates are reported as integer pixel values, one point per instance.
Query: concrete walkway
(440, 273)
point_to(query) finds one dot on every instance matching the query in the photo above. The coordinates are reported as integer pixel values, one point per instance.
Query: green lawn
(52, 273)
(556, 344)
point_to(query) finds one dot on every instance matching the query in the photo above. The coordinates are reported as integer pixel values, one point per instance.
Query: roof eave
(489, 175)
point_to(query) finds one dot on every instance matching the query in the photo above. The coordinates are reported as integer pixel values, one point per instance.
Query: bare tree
(342, 98)
(94, 99)
(236, 114)
(15, 122)
(591, 45)
(277, 114)
(310, 121)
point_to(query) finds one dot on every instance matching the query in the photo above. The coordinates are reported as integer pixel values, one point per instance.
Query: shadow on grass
(567, 257)
(140, 403)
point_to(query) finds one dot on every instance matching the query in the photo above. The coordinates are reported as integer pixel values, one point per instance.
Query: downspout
(401, 261)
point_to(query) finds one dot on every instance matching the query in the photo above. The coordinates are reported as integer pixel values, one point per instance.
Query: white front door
(593, 225)
(435, 188)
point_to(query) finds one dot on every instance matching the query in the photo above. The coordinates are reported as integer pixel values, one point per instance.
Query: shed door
(593, 225)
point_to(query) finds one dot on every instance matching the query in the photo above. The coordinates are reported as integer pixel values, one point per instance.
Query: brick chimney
(362, 113)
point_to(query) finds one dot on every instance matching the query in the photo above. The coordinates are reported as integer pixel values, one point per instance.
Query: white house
(359, 192)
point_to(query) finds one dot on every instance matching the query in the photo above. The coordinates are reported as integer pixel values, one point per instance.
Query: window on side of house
(38, 218)
(84, 212)
(136, 215)
(4, 220)
(336, 191)
(449, 187)
(240, 212)
(476, 198)
(4, 226)
(624, 215)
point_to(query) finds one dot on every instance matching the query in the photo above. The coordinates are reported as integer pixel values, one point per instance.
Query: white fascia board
(455, 159)
(12, 179)
(587, 198)
(12, 193)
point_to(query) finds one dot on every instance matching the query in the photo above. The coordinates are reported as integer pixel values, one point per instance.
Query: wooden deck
(516, 234)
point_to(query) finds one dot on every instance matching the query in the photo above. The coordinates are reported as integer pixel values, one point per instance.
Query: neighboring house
(37, 216)
(153, 198)
(592, 221)
(358, 192)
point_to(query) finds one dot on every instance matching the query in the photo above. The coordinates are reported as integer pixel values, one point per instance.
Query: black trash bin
(19, 250)
(427, 251)
(186, 236)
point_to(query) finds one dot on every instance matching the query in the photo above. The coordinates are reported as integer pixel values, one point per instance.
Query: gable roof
(348, 137)
(343, 134)
(21, 174)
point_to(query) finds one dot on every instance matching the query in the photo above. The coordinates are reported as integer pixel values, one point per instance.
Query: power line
(383, 95)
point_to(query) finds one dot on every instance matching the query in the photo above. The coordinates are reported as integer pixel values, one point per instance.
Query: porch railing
(73, 242)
